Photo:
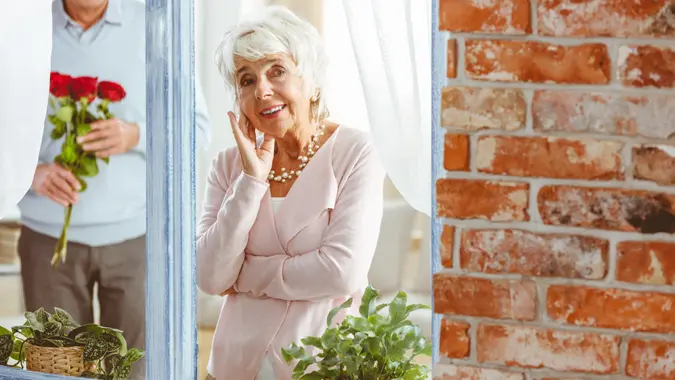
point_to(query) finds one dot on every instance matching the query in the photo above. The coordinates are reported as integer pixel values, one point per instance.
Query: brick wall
(557, 190)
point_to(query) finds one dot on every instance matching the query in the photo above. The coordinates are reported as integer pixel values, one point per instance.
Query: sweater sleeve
(229, 212)
(340, 266)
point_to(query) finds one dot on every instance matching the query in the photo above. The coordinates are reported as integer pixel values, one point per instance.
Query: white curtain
(212, 19)
(391, 41)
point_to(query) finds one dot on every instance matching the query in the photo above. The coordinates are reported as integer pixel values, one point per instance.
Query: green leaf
(35, 324)
(69, 154)
(6, 347)
(122, 372)
(121, 342)
(293, 352)
(357, 324)
(60, 128)
(397, 308)
(331, 315)
(302, 366)
(133, 355)
(65, 318)
(88, 166)
(24, 330)
(41, 315)
(94, 350)
(18, 351)
(83, 183)
(312, 341)
(330, 338)
(82, 129)
(410, 308)
(53, 328)
(65, 113)
(89, 328)
(368, 302)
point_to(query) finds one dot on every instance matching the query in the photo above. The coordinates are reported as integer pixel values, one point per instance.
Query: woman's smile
(272, 112)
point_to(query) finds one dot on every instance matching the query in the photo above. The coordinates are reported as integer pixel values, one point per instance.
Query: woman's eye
(246, 82)
(278, 72)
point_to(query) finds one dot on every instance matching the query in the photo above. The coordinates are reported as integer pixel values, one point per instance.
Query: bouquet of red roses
(72, 101)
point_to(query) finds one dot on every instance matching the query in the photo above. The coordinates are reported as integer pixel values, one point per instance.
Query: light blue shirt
(113, 207)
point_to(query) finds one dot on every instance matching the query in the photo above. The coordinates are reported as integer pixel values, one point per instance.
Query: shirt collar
(112, 15)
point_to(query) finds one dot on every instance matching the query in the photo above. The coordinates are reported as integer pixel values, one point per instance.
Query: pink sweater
(292, 268)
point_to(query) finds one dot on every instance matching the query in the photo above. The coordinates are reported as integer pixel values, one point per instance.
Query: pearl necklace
(288, 175)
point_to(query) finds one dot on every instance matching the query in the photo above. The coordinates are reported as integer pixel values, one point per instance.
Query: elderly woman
(291, 217)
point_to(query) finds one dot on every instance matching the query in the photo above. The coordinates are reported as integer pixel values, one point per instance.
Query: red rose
(84, 87)
(59, 84)
(111, 91)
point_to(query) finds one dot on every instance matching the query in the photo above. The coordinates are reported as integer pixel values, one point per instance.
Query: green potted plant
(55, 343)
(372, 346)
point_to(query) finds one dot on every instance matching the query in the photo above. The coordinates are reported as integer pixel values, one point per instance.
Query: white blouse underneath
(266, 369)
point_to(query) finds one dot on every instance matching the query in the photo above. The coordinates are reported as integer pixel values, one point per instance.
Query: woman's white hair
(277, 30)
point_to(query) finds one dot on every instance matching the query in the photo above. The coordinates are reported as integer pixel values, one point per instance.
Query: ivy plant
(103, 346)
(371, 346)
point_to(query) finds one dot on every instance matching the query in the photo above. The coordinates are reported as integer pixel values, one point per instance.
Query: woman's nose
(263, 89)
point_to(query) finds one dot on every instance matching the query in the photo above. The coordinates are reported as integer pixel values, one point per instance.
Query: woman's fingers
(238, 136)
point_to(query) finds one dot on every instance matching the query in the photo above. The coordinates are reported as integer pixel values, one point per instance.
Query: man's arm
(25, 61)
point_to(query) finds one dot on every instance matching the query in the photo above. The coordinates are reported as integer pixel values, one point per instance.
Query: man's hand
(56, 183)
(109, 137)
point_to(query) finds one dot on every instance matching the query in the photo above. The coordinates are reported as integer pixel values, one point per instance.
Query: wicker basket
(56, 360)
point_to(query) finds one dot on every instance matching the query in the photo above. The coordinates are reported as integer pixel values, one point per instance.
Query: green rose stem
(62, 244)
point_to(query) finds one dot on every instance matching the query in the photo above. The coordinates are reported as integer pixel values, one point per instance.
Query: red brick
(454, 339)
(646, 262)
(534, 254)
(612, 308)
(550, 157)
(490, 16)
(458, 372)
(537, 62)
(503, 299)
(578, 111)
(476, 199)
(608, 209)
(530, 347)
(647, 66)
(654, 163)
(651, 360)
(605, 18)
(452, 58)
(447, 242)
(475, 108)
(456, 152)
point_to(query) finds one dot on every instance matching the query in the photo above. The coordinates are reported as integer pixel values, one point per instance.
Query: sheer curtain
(391, 47)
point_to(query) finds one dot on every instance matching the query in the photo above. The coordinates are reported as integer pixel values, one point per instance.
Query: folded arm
(340, 266)
(229, 211)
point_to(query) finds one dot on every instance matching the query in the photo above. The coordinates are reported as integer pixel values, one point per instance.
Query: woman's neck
(296, 140)
(86, 16)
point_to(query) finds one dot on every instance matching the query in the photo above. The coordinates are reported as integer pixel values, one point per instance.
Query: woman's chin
(276, 128)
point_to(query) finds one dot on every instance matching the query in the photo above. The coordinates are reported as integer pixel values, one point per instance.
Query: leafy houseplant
(104, 353)
(372, 346)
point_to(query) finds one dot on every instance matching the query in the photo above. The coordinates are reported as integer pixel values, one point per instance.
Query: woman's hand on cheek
(256, 162)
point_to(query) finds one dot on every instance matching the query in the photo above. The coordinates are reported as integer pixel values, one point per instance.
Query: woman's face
(270, 94)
